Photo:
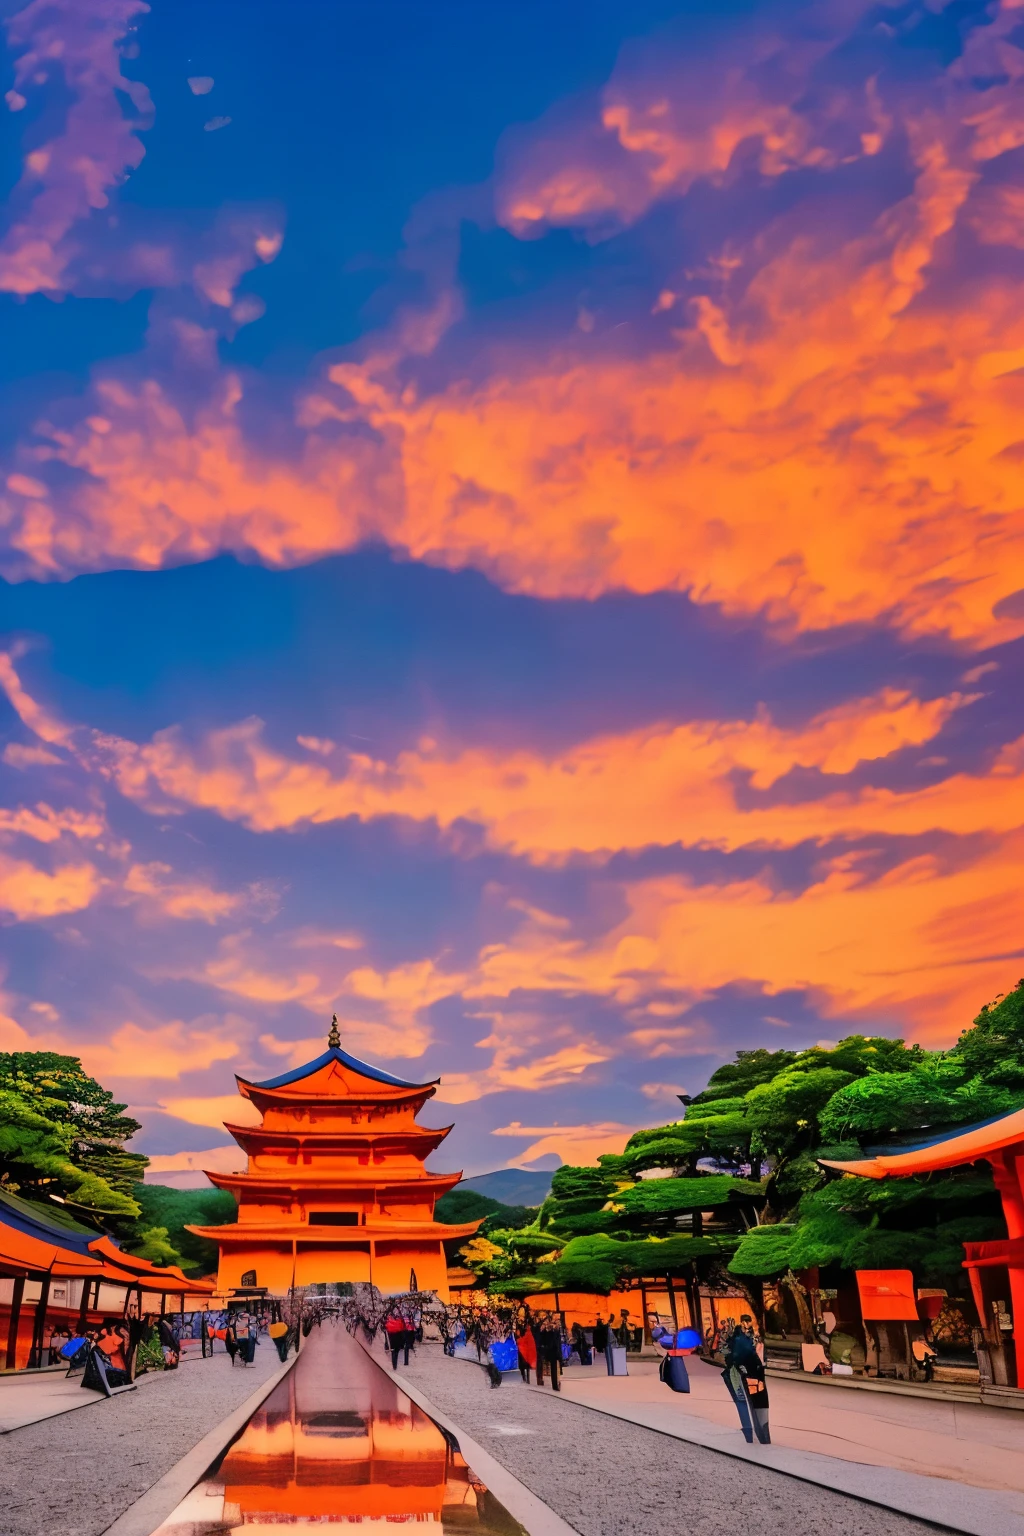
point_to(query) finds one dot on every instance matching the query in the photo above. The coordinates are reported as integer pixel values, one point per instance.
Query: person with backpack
(168, 1343)
(745, 1381)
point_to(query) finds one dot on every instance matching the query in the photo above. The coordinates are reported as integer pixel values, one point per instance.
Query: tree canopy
(791, 1109)
(62, 1133)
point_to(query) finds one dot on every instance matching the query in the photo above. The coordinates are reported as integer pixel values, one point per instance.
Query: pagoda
(335, 1187)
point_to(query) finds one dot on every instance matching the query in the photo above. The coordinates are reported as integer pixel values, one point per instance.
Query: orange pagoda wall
(335, 1186)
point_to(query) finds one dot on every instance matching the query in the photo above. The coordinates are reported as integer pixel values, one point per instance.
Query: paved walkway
(606, 1477)
(73, 1475)
(962, 1442)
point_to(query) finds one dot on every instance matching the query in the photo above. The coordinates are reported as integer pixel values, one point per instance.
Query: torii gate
(996, 1268)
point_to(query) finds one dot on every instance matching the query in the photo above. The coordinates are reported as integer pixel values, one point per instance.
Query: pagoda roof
(35, 1241)
(335, 1054)
(359, 1180)
(372, 1136)
(943, 1149)
(419, 1140)
(286, 1231)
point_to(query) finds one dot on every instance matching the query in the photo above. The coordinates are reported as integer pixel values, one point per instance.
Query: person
(410, 1324)
(580, 1345)
(230, 1340)
(551, 1352)
(537, 1332)
(111, 1345)
(247, 1335)
(58, 1338)
(527, 1347)
(279, 1333)
(745, 1381)
(168, 1343)
(397, 1337)
(924, 1353)
(677, 1343)
(600, 1336)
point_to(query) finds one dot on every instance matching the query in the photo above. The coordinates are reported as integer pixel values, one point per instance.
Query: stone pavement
(608, 1477)
(27, 1397)
(963, 1442)
(871, 1467)
(74, 1474)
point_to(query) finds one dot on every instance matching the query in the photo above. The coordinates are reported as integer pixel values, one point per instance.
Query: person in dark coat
(580, 1345)
(538, 1346)
(600, 1336)
(677, 1343)
(745, 1381)
(394, 1327)
(551, 1352)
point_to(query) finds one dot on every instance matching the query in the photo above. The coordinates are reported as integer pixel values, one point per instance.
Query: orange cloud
(28, 893)
(213, 1110)
(655, 785)
(159, 1051)
(380, 1010)
(831, 438)
(187, 900)
(220, 1159)
(512, 1066)
(923, 947)
(32, 714)
(573, 1143)
(45, 825)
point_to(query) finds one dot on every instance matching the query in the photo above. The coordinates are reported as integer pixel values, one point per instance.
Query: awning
(31, 1245)
(887, 1296)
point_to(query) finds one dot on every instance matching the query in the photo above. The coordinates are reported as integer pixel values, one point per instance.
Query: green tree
(933, 1094)
(152, 1244)
(60, 1090)
(993, 1047)
(736, 1078)
(172, 1210)
(36, 1160)
(784, 1112)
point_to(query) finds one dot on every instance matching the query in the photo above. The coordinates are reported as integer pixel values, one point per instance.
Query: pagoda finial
(334, 1039)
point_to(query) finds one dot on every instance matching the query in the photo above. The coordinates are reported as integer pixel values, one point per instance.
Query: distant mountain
(512, 1186)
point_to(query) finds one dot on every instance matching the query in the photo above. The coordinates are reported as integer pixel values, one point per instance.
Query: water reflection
(337, 1442)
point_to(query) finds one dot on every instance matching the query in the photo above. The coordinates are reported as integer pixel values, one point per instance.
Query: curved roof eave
(944, 1149)
(335, 1053)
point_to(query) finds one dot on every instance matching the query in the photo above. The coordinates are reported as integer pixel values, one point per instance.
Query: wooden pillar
(39, 1324)
(12, 1329)
(648, 1337)
(83, 1310)
(672, 1302)
(1008, 1175)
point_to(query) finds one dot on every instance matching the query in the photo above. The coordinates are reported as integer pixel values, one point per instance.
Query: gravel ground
(74, 1474)
(607, 1477)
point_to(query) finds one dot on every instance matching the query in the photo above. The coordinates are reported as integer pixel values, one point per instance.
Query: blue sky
(511, 533)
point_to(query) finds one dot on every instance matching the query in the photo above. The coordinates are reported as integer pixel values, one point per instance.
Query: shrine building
(335, 1187)
(995, 1267)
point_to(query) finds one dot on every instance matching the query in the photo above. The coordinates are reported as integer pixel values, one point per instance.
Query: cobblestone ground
(74, 1474)
(607, 1477)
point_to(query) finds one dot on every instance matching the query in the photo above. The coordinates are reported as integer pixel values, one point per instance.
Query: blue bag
(505, 1354)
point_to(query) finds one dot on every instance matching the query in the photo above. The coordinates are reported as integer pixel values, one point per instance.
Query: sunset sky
(512, 527)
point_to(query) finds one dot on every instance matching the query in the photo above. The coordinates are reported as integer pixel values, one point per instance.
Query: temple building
(996, 1267)
(335, 1188)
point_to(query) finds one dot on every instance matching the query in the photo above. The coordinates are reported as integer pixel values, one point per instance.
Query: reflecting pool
(338, 1443)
